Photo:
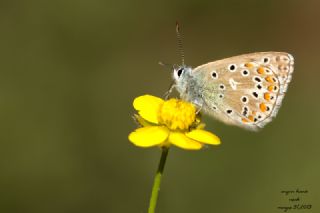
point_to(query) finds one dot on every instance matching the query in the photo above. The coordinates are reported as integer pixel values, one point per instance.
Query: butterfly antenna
(179, 39)
(171, 66)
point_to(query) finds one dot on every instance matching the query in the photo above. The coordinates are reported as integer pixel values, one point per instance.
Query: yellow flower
(169, 122)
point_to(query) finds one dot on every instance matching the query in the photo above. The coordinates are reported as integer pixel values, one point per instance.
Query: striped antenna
(179, 39)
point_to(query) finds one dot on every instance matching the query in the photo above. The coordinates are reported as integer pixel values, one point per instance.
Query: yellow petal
(203, 137)
(182, 141)
(148, 107)
(149, 136)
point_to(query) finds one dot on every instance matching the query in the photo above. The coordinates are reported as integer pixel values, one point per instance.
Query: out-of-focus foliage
(69, 71)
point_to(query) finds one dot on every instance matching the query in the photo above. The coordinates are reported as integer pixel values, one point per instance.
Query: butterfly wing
(245, 90)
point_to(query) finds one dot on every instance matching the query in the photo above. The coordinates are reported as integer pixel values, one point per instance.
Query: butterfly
(245, 90)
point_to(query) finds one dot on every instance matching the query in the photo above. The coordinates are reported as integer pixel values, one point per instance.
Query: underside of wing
(246, 90)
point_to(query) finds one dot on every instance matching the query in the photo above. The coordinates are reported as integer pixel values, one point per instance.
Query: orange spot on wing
(260, 70)
(244, 120)
(251, 118)
(248, 65)
(263, 107)
(270, 88)
(269, 79)
(267, 96)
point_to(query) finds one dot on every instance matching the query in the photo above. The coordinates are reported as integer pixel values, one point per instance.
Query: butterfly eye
(179, 72)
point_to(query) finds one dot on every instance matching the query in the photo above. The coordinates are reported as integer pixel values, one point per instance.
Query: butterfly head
(182, 77)
(180, 72)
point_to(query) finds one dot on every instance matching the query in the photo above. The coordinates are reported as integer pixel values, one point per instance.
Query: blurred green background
(69, 71)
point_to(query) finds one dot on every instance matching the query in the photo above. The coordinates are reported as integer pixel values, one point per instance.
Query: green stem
(157, 181)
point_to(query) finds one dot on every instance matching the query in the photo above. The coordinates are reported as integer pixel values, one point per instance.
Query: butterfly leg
(167, 94)
(199, 109)
(135, 119)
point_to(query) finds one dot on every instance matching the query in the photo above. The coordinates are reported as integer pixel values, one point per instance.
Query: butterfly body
(245, 90)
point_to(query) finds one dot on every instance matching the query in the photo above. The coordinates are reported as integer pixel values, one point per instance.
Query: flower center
(177, 114)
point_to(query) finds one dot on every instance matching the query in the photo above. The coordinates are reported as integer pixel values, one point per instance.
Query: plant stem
(157, 181)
